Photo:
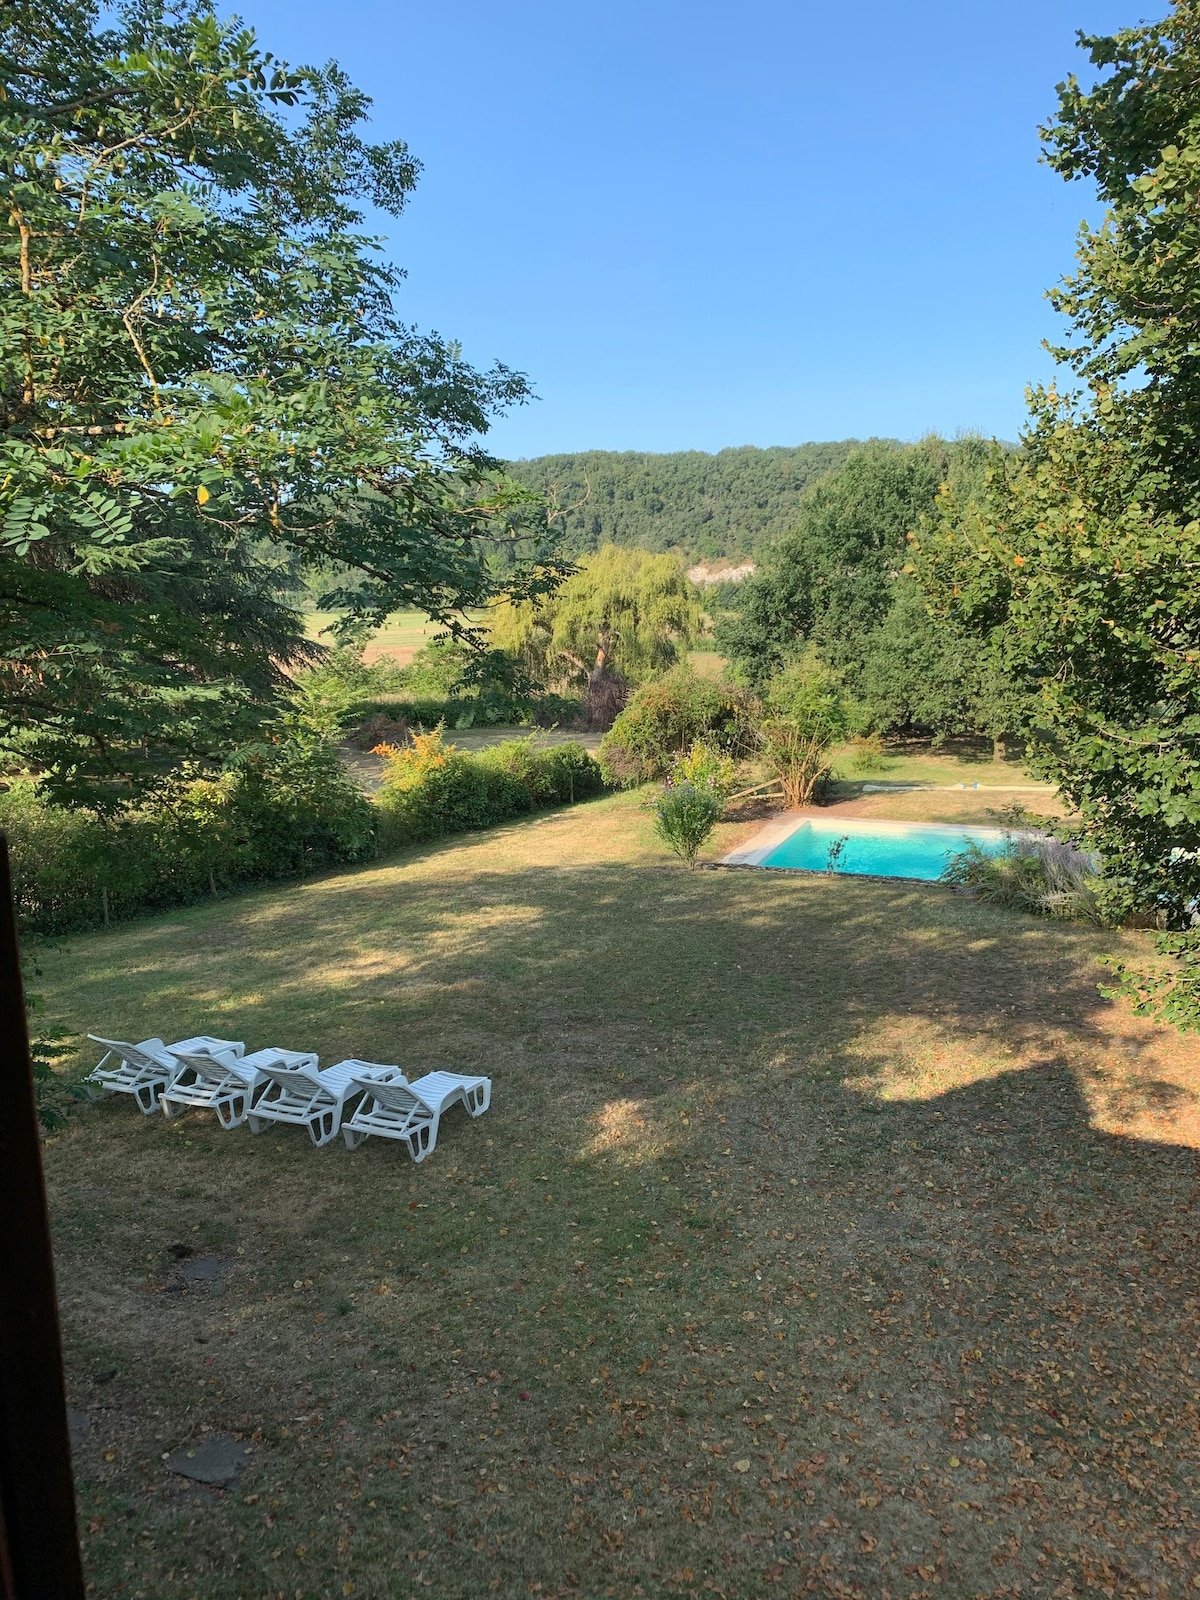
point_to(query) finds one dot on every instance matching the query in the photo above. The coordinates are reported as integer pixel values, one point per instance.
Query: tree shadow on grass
(818, 1177)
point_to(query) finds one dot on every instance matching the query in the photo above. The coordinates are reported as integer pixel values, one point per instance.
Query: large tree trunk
(606, 691)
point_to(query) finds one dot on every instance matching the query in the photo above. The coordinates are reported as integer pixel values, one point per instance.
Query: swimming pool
(875, 849)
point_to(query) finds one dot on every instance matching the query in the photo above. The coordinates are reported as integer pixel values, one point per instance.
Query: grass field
(824, 1237)
(915, 762)
(401, 636)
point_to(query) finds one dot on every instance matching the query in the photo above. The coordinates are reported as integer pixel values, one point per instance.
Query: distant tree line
(731, 504)
(828, 526)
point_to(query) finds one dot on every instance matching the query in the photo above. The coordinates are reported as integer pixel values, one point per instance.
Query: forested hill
(730, 504)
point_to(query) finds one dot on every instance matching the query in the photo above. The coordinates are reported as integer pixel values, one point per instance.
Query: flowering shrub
(685, 816)
(705, 766)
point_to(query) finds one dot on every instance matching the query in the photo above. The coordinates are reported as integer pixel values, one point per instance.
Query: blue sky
(698, 225)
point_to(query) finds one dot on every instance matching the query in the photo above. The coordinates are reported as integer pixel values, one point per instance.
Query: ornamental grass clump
(685, 815)
(1042, 875)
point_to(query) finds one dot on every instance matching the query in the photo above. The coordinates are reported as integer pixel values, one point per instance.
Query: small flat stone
(198, 1272)
(217, 1460)
(79, 1425)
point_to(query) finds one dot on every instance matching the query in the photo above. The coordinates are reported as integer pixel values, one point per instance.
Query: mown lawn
(824, 1237)
(918, 762)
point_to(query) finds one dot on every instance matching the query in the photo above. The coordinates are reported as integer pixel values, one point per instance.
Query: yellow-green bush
(433, 788)
(280, 814)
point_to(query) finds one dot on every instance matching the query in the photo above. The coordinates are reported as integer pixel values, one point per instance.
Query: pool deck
(753, 852)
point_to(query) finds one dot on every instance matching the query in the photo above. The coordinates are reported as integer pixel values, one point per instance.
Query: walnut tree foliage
(834, 587)
(208, 395)
(1082, 562)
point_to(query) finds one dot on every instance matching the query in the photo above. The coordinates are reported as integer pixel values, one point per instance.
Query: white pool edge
(768, 839)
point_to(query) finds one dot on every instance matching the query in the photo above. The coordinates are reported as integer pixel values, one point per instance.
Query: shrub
(806, 717)
(705, 766)
(378, 729)
(555, 775)
(433, 788)
(328, 694)
(447, 681)
(298, 810)
(685, 816)
(667, 717)
(467, 687)
(286, 810)
(1038, 874)
(798, 759)
(866, 753)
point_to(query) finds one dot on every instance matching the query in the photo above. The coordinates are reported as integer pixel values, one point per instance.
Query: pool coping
(768, 838)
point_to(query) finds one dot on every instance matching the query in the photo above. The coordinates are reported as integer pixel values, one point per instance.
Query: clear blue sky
(708, 224)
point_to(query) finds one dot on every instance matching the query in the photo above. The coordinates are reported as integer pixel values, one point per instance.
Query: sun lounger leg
(233, 1111)
(169, 1109)
(322, 1128)
(147, 1097)
(353, 1137)
(479, 1098)
(422, 1139)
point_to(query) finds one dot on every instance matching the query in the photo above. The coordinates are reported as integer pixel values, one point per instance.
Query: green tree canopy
(835, 588)
(624, 610)
(829, 580)
(729, 504)
(1082, 561)
(207, 391)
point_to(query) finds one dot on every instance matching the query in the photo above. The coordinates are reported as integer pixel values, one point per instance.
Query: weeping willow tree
(622, 617)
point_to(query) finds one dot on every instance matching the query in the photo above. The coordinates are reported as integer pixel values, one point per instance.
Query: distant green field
(406, 631)
(708, 663)
(401, 636)
(956, 763)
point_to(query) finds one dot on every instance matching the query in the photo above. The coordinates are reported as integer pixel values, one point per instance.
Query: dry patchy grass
(400, 637)
(825, 1236)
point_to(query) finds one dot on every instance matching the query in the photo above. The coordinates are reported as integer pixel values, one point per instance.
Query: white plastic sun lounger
(311, 1099)
(144, 1070)
(397, 1109)
(225, 1083)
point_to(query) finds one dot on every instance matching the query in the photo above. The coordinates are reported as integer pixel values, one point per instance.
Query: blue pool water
(891, 850)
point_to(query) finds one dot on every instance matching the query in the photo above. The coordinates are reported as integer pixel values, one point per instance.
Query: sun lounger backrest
(150, 1053)
(395, 1093)
(303, 1080)
(215, 1066)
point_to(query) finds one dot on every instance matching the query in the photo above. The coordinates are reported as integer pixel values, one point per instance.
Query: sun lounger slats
(393, 1108)
(311, 1099)
(145, 1069)
(225, 1083)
